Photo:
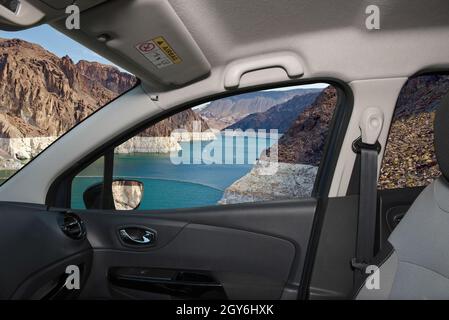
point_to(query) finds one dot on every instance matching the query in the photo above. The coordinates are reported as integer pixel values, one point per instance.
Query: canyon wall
(299, 151)
(42, 96)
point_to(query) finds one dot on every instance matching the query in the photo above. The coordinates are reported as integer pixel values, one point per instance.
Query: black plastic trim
(337, 133)
(107, 198)
(186, 284)
(358, 145)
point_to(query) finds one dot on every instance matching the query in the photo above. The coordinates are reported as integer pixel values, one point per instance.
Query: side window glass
(259, 146)
(409, 159)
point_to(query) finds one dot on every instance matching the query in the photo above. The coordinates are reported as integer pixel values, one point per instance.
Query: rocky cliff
(225, 112)
(278, 117)
(409, 158)
(42, 96)
(187, 120)
(291, 181)
(299, 152)
(304, 141)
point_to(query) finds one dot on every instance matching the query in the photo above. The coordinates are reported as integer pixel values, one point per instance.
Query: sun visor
(151, 36)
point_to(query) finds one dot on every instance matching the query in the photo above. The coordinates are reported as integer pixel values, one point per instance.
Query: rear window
(409, 159)
(48, 84)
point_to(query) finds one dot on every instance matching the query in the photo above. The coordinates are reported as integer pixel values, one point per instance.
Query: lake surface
(168, 185)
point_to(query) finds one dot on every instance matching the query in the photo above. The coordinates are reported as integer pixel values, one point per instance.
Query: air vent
(73, 226)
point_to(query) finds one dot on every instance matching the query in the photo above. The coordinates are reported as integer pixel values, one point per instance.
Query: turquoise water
(168, 185)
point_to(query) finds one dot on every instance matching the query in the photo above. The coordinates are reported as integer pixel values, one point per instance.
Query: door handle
(137, 236)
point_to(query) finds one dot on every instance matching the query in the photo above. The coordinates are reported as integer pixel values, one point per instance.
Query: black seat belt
(367, 212)
(367, 145)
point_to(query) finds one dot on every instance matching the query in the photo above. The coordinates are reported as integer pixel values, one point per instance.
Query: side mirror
(126, 195)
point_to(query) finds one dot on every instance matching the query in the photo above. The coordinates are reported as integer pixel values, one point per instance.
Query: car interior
(372, 198)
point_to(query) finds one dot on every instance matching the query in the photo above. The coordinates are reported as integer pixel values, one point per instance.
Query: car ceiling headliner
(328, 36)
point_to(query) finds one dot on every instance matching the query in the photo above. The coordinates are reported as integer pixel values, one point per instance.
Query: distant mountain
(304, 141)
(279, 117)
(224, 112)
(182, 120)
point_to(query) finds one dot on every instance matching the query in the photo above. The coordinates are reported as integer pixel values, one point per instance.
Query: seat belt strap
(368, 146)
(367, 208)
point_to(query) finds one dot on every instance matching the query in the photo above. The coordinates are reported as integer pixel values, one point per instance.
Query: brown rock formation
(304, 141)
(182, 120)
(409, 158)
(224, 112)
(44, 95)
(278, 117)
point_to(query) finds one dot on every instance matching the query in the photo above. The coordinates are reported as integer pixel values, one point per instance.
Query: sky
(55, 42)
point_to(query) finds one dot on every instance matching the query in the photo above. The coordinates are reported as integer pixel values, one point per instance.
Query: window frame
(59, 193)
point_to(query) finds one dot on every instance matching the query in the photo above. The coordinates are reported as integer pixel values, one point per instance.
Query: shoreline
(17, 152)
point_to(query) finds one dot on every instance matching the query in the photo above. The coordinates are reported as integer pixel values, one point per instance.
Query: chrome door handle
(137, 236)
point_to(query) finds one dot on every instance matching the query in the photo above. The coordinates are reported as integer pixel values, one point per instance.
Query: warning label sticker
(158, 52)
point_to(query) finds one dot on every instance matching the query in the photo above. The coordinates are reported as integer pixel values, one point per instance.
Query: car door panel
(251, 250)
(247, 263)
(332, 273)
(244, 251)
(32, 265)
